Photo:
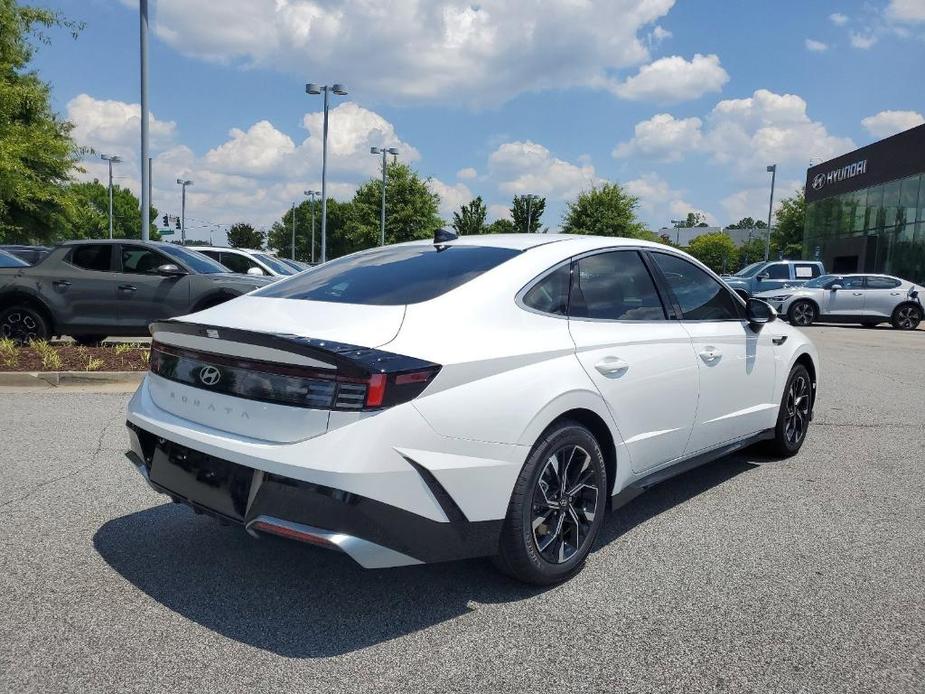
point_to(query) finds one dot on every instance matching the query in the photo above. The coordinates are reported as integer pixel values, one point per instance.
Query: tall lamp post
(384, 152)
(145, 171)
(339, 90)
(772, 169)
(530, 198)
(183, 183)
(110, 159)
(292, 249)
(311, 195)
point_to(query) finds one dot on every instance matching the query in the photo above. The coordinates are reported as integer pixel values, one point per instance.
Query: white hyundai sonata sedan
(482, 396)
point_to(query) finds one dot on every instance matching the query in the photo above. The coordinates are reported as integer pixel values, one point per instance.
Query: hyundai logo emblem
(818, 181)
(209, 375)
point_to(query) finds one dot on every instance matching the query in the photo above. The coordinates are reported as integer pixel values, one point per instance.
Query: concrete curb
(84, 380)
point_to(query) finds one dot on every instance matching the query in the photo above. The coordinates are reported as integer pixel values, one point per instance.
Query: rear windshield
(390, 276)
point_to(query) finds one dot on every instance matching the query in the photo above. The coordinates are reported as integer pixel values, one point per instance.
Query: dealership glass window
(860, 210)
(920, 217)
(908, 199)
(891, 203)
(874, 208)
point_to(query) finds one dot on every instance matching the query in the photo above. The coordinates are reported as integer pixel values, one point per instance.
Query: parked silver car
(857, 298)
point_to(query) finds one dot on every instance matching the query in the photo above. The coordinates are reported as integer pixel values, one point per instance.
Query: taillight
(288, 384)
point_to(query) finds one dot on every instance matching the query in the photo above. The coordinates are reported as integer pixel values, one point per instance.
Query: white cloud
(816, 46)
(674, 79)
(863, 41)
(527, 167)
(838, 19)
(114, 127)
(451, 196)
(260, 150)
(910, 11)
(467, 173)
(498, 212)
(455, 50)
(662, 137)
(888, 123)
(658, 34)
(753, 202)
(659, 202)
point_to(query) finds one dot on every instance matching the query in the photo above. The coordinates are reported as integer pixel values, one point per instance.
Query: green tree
(471, 218)
(501, 226)
(244, 235)
(411, 210)
(88, 213)
(340, 241)
(37, 153)
(526, 211)
(787, 235)
(751, 251)
(715, 250)
(748, 223)
(604, 211)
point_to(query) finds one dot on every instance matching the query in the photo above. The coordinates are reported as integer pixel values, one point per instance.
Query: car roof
(522, 242)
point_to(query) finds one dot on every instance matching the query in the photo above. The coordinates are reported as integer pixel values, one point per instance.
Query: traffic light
(178, 222)
(166, 221)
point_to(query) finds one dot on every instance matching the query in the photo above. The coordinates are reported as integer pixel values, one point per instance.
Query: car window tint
(139, 260)
(550, 294)
(238, 263)
(778, 271)
(614, 286)
(391, 275)
(92, 257)
(882, 283)
(700, 296)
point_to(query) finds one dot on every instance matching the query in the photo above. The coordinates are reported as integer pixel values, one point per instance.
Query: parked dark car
(31, 254)
(92, 289)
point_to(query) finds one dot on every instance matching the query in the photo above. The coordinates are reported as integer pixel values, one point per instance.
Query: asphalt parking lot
(745, 575)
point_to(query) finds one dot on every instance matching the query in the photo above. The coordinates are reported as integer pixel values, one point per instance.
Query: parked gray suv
(92, 289)
(773, 274)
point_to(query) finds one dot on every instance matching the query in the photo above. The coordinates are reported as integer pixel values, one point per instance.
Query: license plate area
(216, 485)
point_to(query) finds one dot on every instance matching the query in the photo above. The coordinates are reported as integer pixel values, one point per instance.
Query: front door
(774, 276)
(144, 295)
(641, 362)
(848, 300)
(736, 363)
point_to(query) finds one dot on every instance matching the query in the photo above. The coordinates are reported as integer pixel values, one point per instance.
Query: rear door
(143, 295)
(83, 291)
(881, 295)
(736, 364)
(641, 361)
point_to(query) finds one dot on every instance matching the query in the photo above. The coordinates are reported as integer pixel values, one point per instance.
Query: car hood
(780, 291)
(735, 281)
(352, 324)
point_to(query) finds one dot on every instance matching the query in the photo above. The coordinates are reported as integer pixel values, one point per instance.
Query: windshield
(821, 281)
(274, 263)
(194, 260)
(391, 276)
(294, 264)
(749, 270)
(9, 260)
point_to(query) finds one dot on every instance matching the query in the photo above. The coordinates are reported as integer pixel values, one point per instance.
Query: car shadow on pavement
(303, 602)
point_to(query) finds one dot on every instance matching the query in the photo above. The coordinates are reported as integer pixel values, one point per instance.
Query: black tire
(906, 317)
(23, 324)
(793, 416)
(802, 313)
(548, 531)
(88, 340)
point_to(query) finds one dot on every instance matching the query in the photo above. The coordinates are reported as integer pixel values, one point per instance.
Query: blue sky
(684, 103)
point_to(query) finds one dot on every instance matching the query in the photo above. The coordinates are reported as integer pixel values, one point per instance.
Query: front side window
(855, 282)
(138, 260)
(550, 294)
(778, 271)
(614, 286)
(391, 276)
(238, 263)
(92, 257)
(700, 296)
(882, 283)
(193, 260)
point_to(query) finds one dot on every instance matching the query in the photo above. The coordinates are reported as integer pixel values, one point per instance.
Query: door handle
(711, 355)
(127, 287)
(61, 283)
(856, 294)
(612, 366)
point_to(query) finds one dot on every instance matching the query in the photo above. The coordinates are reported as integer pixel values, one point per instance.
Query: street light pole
(384, 152)
(339, 90)
(292, 251)
(145, 172)
(110, 159)
(772, 169)
(183, 184)
(311, 194)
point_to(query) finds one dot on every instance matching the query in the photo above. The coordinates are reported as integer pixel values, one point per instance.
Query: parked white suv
(247, 261)
(855, 298)
(487, 395)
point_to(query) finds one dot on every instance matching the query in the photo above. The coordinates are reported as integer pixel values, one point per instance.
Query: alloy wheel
(20, 326)
(797, 410)
(803, 313)
(564, 504)
(907, 317)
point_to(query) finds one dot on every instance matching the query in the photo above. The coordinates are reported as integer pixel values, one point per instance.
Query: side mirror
(759, 312)
(170, 270)
(256, 271)
(762, 276)
(835, 287)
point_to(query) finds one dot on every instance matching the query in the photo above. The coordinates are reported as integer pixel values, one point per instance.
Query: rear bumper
(374, 534)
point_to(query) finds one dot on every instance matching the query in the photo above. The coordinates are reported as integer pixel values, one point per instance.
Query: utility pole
(772, 169)
(383, 151)
(311, 194)
(292, 252)
(339, 90)
(145, 175)
(183, 184)
(110, 159)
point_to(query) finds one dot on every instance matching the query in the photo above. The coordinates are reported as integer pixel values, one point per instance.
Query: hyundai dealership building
(865, 210)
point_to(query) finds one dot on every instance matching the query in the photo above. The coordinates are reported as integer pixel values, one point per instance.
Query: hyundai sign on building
(865, 210)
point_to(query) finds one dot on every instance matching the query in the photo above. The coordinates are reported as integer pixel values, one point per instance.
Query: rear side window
(805, 271)
(391, 276)
(92, 257)
(882, 283)
(550, 294)
(614, 286)
(700, 296)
